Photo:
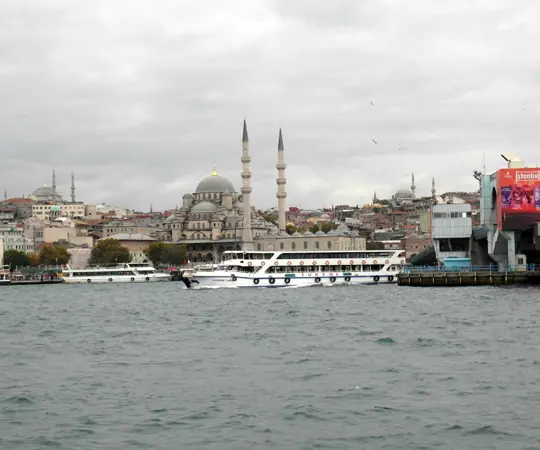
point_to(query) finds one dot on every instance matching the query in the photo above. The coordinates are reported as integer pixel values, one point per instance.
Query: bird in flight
(375, 141)
(372, 104)
(402, 148)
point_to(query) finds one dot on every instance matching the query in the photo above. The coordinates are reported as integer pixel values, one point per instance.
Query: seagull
(375, 141)
(402, 148)
(372, 104)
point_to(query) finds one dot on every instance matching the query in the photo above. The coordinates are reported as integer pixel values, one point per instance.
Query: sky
(140, 98)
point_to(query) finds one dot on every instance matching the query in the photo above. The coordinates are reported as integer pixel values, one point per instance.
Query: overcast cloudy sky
(139, 97)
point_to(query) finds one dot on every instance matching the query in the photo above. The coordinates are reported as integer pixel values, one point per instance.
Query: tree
(159, 252)
(374, 245)
(109, 251)
(15, 258)
(174, 254)
(33, 259)
(54, 255)
(154, 252)
(325, 227)
(290, 228)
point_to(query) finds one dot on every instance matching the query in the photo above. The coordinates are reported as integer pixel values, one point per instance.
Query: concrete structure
(72, 210)
(281, 181)
(247, 236)
(14, 239)
(135, 243)
(451, 230)
(513, 238)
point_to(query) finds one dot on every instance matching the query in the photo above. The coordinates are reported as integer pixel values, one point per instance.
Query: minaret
(433, 191)
(5, 195)
(151, 208)
(54, 182)
(413, 186)
(374, 197)
(247, 237)
(281, 181)
(72, 187)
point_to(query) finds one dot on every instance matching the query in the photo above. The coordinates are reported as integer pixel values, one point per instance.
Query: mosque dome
(308, 233)
(320, 233)
(403, 193)
(204, 207)
(55, 208)
(215, 184)
(46, 193)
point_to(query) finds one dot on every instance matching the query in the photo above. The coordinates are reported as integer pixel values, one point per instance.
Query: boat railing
(474, 268)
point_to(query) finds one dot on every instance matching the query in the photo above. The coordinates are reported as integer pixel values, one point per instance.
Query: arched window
(259, 247)
(329, 245)
(305, 245)
(293, 246)
(281, 246)
(317, 245)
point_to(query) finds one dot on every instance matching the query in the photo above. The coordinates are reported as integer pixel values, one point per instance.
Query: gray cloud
(140, 98)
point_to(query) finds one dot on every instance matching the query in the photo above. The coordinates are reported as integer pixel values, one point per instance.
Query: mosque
(216, 218)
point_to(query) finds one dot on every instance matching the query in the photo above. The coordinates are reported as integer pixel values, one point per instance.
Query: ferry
(299, 269)
(122, 273)
(5, 275)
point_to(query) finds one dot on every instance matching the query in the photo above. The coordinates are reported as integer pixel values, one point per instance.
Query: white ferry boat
(5, 275)
(296, 269)
(122, 273)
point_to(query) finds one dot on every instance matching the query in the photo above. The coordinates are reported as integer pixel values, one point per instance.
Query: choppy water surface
(372, 367)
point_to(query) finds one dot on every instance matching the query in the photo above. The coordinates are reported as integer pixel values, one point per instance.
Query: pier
(471, 276)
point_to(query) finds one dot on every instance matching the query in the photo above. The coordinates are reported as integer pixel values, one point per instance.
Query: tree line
(106, 251)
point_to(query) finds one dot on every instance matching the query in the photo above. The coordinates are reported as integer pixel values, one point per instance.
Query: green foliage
(323, 226)
(290, 229)
(54, 255)
(33, 259)
(15, 258)
(109, 251)
(374, 245)
(174, 254)
(154, 252)
(161, 253)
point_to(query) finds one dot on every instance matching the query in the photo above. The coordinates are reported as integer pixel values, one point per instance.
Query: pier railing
(473, 268)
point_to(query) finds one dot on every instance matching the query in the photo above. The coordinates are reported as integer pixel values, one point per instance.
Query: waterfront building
(13, 238)
(451, 230)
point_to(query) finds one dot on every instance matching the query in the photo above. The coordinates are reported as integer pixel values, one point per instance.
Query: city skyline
(139, 101)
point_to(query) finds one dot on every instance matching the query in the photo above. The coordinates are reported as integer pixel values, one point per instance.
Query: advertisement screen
(519, 198)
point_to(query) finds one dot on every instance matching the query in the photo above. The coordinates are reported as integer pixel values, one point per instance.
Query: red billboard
(518, 192)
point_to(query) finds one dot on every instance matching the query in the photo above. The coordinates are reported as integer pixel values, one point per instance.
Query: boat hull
(210, 281)
(118, 279)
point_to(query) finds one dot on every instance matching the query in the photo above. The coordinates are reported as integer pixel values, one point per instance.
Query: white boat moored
(299, 269)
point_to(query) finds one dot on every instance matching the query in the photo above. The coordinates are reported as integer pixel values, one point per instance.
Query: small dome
(296, 234)
(239, 205)
(333, 233)
(343, 228)
(215, 184)
(308, 233)
(320, 233)
(204, 207)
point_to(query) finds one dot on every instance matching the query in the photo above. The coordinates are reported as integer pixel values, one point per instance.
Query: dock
(473, 276)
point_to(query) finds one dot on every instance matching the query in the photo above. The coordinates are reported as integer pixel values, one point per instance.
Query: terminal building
(510, 213)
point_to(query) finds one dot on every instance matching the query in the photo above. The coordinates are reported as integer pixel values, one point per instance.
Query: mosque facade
(216, 218)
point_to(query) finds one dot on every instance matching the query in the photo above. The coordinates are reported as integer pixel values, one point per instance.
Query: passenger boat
(296, 269)
(5, 275)
(122, 273)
